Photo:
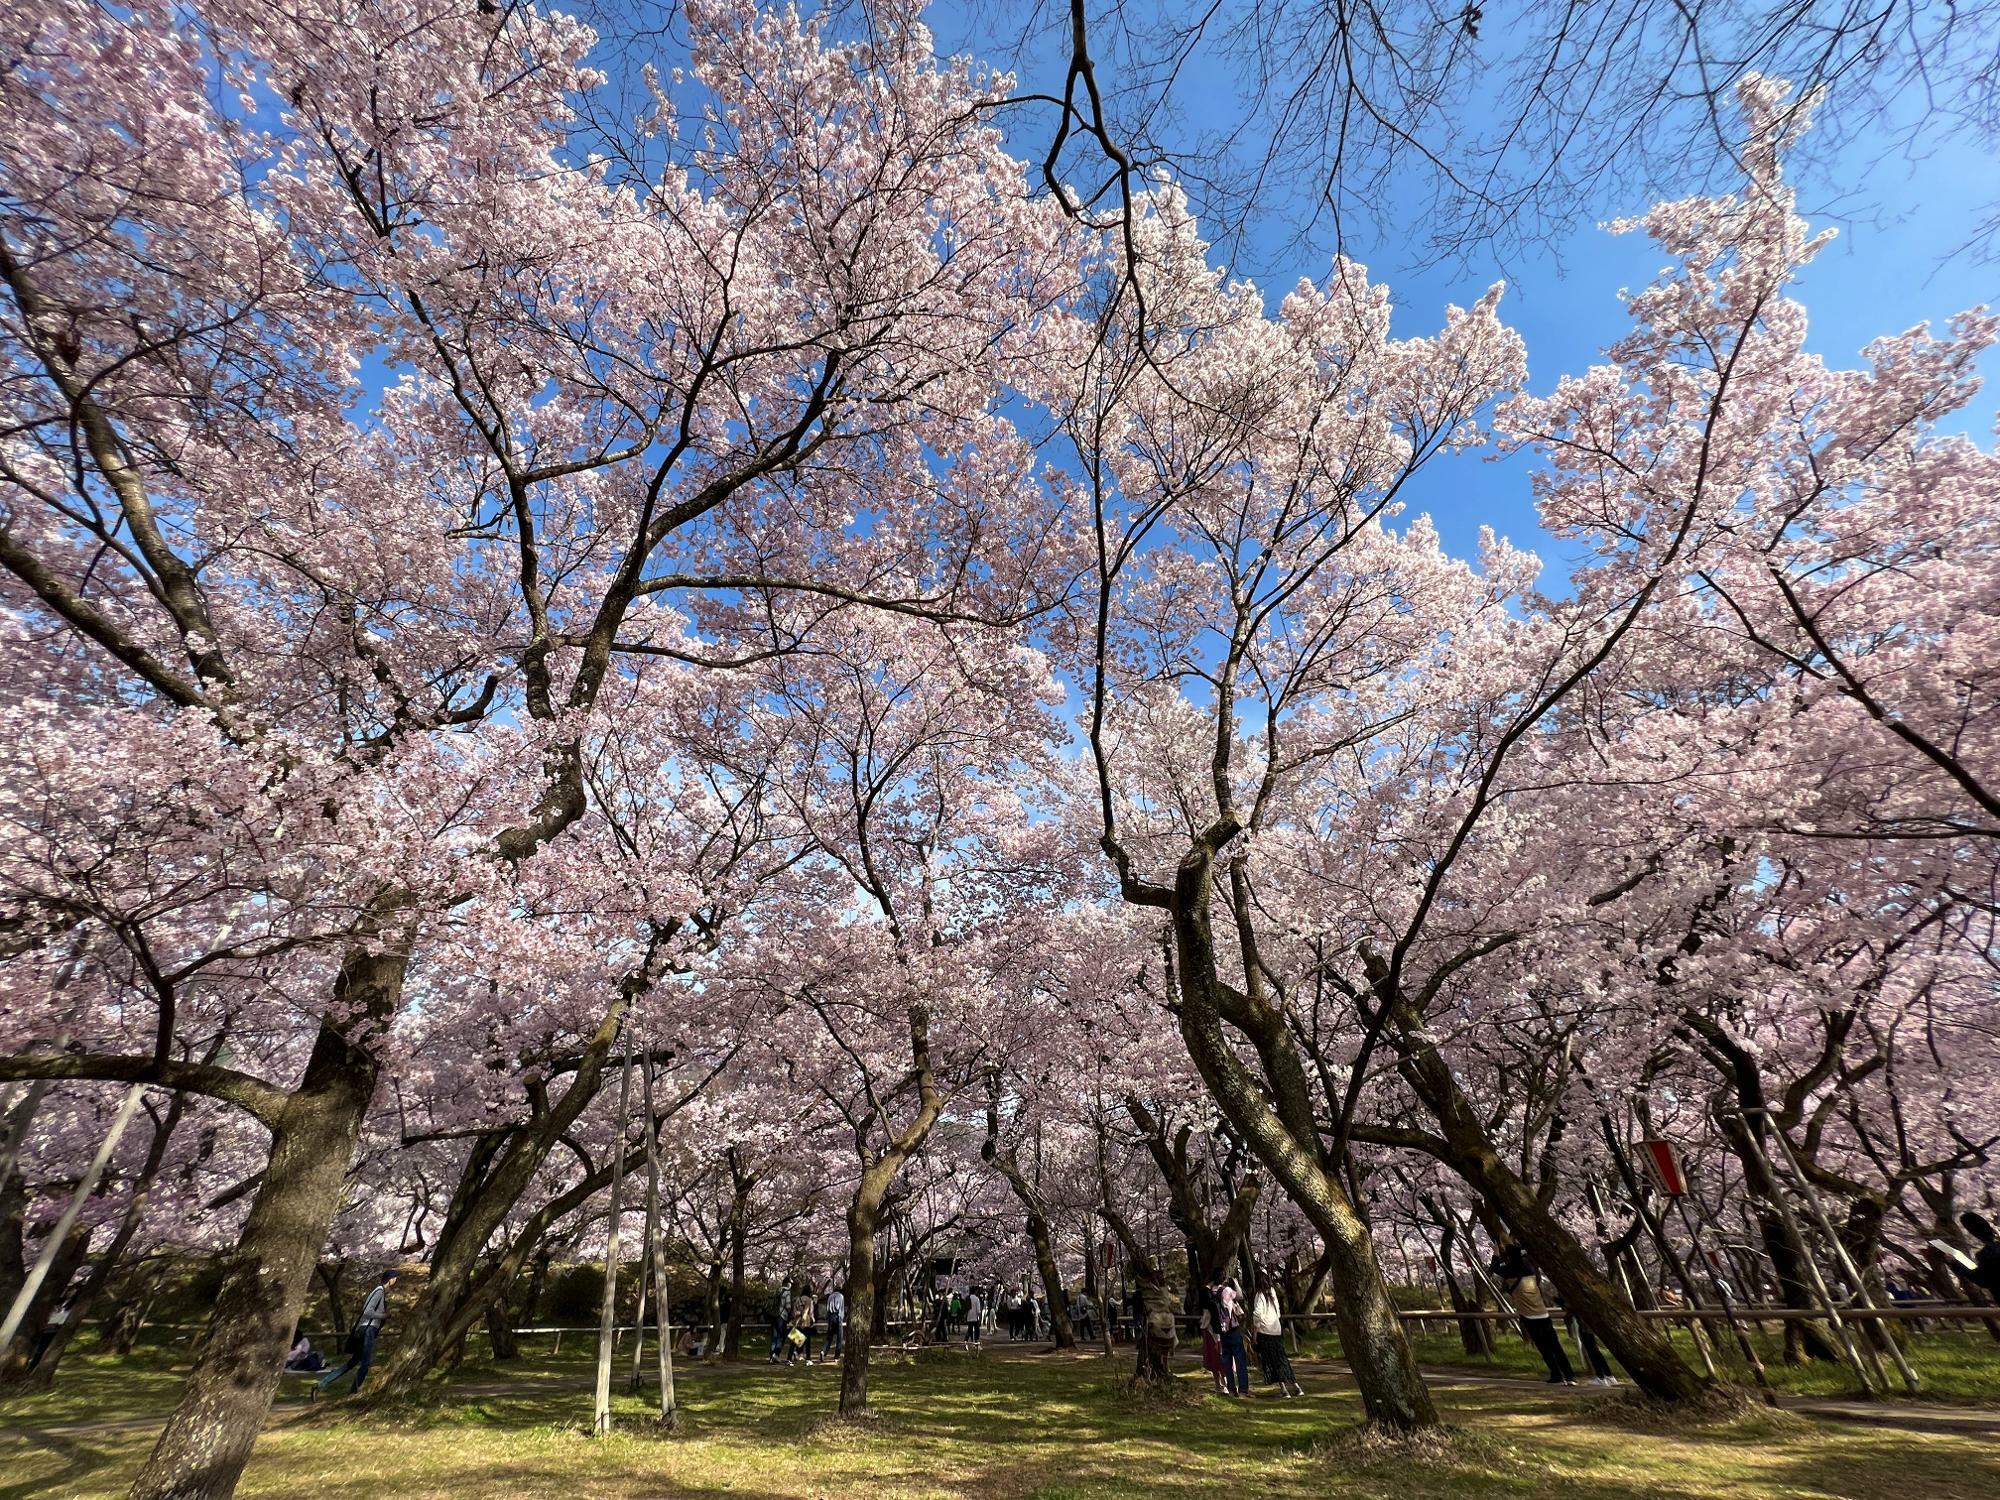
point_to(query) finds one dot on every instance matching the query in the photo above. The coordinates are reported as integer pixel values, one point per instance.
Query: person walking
(1522, 1283)
(361, 1341)
(836, 1322)
(975, 1310)
(1267, 1324)
(1235, 1357)
(1083, 1317)
(804, 1321)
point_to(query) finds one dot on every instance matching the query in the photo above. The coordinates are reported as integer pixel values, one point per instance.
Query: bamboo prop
(607, 1318)
(1815, 1281)
(1743, 1344)
(656, 1249)
(639, 1310)
(1657, 1232)
(52, 1246)
(1594, 1195)
(1853, 1272)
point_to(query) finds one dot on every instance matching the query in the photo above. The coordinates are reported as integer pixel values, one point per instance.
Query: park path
(1965, 1421)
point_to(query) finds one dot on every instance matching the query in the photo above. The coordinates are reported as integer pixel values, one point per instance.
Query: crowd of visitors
(808, 1322)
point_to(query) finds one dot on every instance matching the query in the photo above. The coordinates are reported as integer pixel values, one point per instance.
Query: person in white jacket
(1268, 1327)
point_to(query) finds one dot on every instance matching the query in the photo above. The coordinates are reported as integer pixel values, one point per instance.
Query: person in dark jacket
(1522, 1283)
(1985, 1255)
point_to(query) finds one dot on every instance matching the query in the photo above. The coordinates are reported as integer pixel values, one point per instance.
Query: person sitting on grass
(304, 1359)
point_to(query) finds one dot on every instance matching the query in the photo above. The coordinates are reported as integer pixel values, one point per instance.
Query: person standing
(1235, 1357)
(975, 1309)
(1522, 1283)
(1267, 1324)
(1211, 1336)
(781, 1320)
(361, 1341)
(1083, 1317)
(836, 1322)
(1985, 1273)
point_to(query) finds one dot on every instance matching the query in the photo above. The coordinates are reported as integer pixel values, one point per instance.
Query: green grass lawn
(1036, 1428)
(1959, 1365)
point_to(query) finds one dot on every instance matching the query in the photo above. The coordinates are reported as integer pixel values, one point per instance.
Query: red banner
(1664, 1166)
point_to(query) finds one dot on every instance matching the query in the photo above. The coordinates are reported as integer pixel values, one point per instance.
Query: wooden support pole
(607, 1326)
(656, 1250)
(52, 1245)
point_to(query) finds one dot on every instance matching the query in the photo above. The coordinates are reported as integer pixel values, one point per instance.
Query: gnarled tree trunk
(238, 1360)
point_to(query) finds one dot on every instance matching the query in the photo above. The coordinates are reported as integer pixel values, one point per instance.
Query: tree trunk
(1645, 1353)
(862, 1215)
(17, 1375)
(732, 1344)
(497, 1172)
(500, 1335)
(1284, 1135)
(711, 1311)
(238, 1360)
(1060, 1331)
(119, 1333)
(1037, 1223)
(1804, 1341)
(329, 1273)
(656, 1259)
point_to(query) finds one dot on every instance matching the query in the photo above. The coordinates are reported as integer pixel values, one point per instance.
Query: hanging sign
(1664, 1166)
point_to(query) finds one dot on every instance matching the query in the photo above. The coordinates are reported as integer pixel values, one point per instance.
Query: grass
(1959, 1365)
(954, 1428)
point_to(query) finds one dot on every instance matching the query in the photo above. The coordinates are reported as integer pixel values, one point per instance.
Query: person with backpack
(361, 1339)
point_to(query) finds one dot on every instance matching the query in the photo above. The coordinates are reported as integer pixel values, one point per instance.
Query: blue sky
(1899, 214)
